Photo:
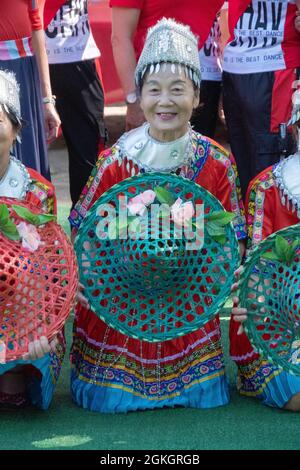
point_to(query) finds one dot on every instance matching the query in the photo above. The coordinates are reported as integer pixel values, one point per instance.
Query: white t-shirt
(258, 38)
(68, 36)
(209, 55)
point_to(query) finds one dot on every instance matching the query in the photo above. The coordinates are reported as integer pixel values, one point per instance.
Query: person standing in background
(204, 118)
(22, 51)
(74, 70)
(259, 66)
(130, 22)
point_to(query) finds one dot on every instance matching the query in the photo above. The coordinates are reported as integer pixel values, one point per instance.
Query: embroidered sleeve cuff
(241, 231)
(75, 219)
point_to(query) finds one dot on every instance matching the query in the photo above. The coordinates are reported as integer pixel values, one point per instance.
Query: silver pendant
(139, 145)
(175, 154)
(13, 182)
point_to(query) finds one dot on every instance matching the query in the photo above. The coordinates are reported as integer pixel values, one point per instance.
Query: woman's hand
(52, 122)
(39, 347)
(242, 248)
(80, 298)
(134, 116)
(238, 314)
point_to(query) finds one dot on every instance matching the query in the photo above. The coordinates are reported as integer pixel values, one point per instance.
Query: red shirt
(18, 18)
(199, 15)
(264, 32)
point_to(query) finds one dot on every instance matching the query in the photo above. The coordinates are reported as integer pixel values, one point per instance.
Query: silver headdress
(296, 108)
(9, 94)
(170, 42)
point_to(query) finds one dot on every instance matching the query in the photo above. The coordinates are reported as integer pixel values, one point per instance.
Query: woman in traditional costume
(112, 372)
(33, 378)
(272, 203)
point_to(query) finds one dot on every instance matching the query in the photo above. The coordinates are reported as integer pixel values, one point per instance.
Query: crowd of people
(175, 61)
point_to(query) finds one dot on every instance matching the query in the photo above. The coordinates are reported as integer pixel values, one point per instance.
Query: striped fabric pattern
(15, 49)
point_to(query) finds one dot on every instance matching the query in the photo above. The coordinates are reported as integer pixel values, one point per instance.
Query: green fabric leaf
(34, 219)
(283, 251)
(45, 218)
(281, 247)
(271, 255)
(7, 226)
(9, 230)
(164, 196)
(220, 218)
(220, 239)
(4, 213)
(26, 214)
(214, 230)
(292, 251)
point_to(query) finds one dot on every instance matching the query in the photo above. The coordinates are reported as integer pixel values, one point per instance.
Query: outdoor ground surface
(243, 424)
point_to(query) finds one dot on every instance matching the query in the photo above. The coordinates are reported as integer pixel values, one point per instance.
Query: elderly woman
(152, 375)
(33, 379)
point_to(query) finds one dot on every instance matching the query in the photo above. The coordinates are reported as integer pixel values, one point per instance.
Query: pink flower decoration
(31, 239)
(138, 204)
(182, 212)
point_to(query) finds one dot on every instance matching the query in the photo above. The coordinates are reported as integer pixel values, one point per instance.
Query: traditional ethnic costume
(28, 185)
(273, 203)
(112, 372)
(42, 374)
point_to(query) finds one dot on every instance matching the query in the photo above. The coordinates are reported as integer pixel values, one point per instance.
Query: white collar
(151, 155)
(287, 178)
(15, 183)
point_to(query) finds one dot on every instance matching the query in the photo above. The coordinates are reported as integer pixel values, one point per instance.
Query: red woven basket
(37, 289)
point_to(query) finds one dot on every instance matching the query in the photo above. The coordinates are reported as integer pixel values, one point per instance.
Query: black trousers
(247, 100)
(204, 118)
(80, 104)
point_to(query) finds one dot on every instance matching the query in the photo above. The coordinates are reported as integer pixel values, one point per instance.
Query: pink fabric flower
(182, 212)
(138, 204)
(31, 239)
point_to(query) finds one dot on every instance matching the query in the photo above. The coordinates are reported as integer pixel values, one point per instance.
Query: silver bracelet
(49, 99)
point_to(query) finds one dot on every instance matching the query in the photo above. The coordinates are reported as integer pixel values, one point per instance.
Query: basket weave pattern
(270, 290)
(37, 289)
(153, 288)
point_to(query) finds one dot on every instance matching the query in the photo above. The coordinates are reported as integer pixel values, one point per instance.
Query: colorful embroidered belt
(15, 49)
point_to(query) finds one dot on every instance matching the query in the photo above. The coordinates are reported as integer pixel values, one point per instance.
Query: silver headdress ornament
(170, 42)
(296, 108)
(9, 94)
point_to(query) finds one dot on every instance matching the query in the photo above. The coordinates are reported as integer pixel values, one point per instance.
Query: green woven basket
(154, 288)
(270, 289)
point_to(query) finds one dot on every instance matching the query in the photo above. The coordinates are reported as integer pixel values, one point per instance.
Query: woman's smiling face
(7, 134)
(168, 100)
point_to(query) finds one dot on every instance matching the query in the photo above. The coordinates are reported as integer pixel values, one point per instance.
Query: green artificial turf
(243, 424)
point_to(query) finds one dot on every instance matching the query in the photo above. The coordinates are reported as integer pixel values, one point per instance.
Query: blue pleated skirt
(273, 386)
(42, 381)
